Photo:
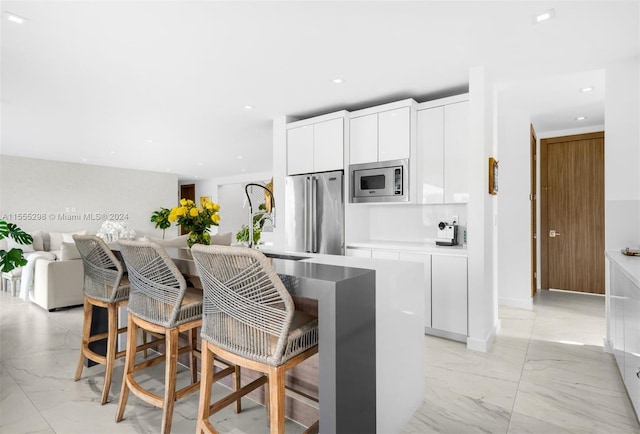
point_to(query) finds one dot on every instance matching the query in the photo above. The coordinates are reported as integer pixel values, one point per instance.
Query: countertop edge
(630, 265)
(429, 248)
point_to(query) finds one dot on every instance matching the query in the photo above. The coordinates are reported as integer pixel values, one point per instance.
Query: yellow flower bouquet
(196, 220)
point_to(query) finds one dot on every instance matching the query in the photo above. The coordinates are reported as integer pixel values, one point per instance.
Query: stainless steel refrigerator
(314, 213)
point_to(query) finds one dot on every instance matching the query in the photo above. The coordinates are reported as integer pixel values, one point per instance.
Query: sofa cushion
(221, 239)
(69, 251)
(38, 241)
(56, 238)
(180, 241)
(13, 244)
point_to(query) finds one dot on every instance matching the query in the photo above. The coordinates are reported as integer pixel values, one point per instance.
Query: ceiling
(163, 85)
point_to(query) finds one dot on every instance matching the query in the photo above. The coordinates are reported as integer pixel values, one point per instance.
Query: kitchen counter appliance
(314, 213)
(447, 234)
(384, 181)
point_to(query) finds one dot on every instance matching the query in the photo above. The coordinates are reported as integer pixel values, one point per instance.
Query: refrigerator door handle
(307, 214)
(314, 213)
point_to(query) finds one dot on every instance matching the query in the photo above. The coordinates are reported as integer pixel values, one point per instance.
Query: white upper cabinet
(363, 140)
(381, 133)
(456, 138)
(442, 142)
(430, 142)
(300, 150)
(315, 146)
(394, 129)
(328, 145)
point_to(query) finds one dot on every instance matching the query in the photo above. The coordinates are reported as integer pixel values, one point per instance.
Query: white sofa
(59, 282)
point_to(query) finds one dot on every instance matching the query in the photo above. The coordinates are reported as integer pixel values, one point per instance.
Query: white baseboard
(483, 345)
(520, 303)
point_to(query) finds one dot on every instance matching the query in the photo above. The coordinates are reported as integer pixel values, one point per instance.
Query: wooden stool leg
(129, 364)
(112, 338)
(171, 370)
(235, 379)
(193, 366)
(276, 400)
(206, 379)
(86, 331)
(145, 352)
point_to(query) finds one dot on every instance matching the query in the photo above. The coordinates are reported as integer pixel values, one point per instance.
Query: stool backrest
(157, 286)
(103, 272)
(247, 309)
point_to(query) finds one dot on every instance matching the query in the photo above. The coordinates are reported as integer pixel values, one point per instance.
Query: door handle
(553, 233)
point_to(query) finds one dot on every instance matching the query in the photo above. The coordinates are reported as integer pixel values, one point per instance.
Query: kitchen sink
(284, 256)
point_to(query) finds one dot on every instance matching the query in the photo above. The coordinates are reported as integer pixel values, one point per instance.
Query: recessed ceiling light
(242, 170)
(112, 152)
(586, 89)
(149, 141)
(84, 160)
(338, 80)
(580, 118)
(200, 164)
(239, 157)
(15, 18)
(545, 16)
(249, 107)
(168, 170)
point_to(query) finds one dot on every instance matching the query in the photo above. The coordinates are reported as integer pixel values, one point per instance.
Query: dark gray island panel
(347, 347)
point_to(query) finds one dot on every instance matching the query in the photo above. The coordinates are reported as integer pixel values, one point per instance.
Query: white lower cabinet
(624, 329)
(445, 301)
(360, 253)
(449, 294)
(426, 260)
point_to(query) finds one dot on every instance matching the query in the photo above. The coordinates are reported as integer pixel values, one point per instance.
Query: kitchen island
(371, 339)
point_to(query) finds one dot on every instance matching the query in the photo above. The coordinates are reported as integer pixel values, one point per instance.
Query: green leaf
(19, 235)
(11, 259)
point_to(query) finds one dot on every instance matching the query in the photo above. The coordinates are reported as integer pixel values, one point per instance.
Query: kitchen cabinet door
(449, 293)
(430, 143)
(456, 138)
(394, 130)
(360, 253)
(328, 150)
(616, 316)
(385, 254)
(363, 139)
(632, 341)
(426, 260)
(300, 150)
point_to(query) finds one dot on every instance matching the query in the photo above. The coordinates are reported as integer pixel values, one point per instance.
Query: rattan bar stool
(249, 319)
(106, 286)
(159, 302)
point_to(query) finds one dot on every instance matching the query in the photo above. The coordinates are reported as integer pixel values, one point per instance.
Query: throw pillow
(56, 238)
(180, 241)
(221, 239)
(69, 251)
(38, 242)
(13, 244)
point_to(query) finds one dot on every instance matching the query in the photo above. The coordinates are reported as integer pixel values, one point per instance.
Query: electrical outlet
(454, 220)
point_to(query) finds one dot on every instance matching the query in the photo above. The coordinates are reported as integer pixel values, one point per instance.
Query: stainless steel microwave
(383, 181)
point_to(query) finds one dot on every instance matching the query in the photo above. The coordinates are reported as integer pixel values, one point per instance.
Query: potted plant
(161, 219)
(13, 258)
(196, 220)
(242, 236)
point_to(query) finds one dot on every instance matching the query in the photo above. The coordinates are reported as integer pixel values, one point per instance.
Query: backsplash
(413, 223)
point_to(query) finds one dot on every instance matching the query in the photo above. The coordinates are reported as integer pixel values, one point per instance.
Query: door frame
(534, 211)
(544, 221)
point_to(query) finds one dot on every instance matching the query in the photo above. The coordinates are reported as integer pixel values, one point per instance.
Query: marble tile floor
(546, 373)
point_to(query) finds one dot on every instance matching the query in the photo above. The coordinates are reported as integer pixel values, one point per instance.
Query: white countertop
(422, 247)
(630, 265)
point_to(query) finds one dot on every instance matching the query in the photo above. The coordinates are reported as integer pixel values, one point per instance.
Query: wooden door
(534, 213)
(572, 179)
(187, 191)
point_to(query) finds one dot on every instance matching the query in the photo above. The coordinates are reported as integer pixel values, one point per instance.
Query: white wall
(514, 224)
(68, 197)
(232, 216)
(622, 155)
(481, 242)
